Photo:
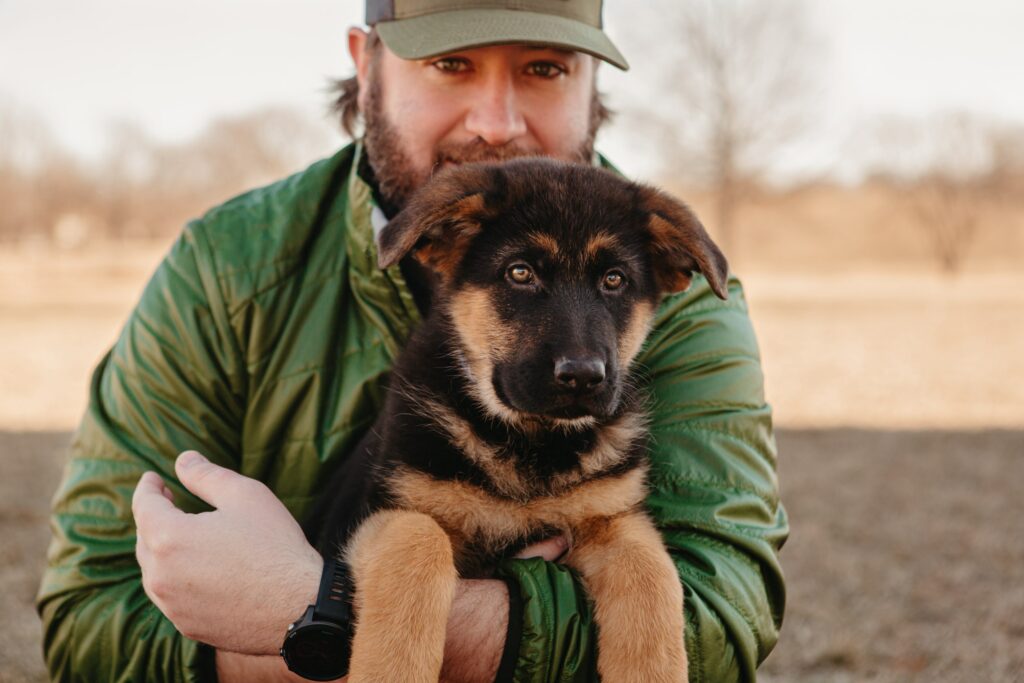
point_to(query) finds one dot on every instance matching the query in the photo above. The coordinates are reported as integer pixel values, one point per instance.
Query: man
(263, 341)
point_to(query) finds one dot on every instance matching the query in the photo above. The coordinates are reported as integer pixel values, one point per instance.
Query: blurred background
(861, 162)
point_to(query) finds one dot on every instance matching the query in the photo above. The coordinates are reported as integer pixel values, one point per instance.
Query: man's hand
(233, 578)
(551, 549)
(479, 619)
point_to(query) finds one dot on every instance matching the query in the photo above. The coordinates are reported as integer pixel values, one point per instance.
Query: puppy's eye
(613, 279)
(520, 273)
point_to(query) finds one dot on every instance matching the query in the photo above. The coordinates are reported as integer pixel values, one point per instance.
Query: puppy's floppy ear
(682, 246)
(441, 219)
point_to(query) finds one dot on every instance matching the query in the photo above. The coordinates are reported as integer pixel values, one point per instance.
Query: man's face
(482, 104)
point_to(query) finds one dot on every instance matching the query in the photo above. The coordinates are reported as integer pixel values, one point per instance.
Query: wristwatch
(318, 646)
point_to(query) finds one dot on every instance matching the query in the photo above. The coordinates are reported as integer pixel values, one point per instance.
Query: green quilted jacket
(263, 340)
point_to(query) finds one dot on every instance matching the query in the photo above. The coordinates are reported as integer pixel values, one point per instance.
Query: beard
(396, 177)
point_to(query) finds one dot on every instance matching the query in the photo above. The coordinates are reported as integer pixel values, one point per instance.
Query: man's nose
(495, 116)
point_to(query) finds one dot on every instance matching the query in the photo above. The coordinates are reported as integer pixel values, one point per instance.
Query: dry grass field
(900, 404)
(908, 348)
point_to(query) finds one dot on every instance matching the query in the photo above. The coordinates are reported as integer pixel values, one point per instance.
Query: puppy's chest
(483, 525)
(493, 489)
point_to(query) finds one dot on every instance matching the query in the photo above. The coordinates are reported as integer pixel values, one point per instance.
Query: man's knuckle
(162, 543)
(138, 509)
(253, 488)
(155, 586)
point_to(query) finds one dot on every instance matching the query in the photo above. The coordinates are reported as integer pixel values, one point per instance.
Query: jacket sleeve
(172, 381)
(713, 495)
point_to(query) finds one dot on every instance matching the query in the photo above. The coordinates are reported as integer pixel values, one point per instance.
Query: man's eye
(545, 69)
(451, 65)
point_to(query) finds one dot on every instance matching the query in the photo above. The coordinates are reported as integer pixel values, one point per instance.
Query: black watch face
(318, 651)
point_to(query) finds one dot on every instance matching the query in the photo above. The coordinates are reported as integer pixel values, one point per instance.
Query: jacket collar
(383, 295)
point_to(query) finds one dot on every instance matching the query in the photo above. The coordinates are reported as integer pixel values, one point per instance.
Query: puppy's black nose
(579, 373)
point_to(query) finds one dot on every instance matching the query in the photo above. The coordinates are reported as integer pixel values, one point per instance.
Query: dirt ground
(31, 464)
(904, 562)
(901, 432)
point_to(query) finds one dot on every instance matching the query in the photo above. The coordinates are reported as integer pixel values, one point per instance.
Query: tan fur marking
(675, 281)
(485, 340)
(545, 242)
(501, 471)
(613, 442)
(444, 255)
(636, 333)
(471, 513)
(469, 208)
(668, 237)
(638, 600)
(663, 231)
(404, 572)
(574, 424)
(599, 242)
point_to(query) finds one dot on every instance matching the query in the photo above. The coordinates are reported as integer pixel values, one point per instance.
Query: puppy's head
(550, 274)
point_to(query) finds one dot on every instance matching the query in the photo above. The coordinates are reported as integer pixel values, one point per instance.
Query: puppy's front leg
(405, 578)
(638, 600)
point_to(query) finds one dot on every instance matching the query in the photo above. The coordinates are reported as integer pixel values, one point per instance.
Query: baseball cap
(416, 29)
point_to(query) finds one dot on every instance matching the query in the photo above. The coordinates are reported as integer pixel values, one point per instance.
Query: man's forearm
(472, 651)
(476, 632)
(234, 667)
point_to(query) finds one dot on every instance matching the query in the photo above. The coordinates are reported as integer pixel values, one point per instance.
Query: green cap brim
(445, 32)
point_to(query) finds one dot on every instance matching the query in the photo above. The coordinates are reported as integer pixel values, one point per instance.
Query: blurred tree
(150, 189)
(124, 180)
(142, 188)
(39, 180)
(259, 147)
(739, 77)
(25, 143)
(947, 170)
(1006, 176)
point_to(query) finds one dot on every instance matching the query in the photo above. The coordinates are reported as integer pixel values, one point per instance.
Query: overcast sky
(171, 66)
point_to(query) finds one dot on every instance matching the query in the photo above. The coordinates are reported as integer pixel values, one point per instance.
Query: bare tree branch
(739, 79)
(141, 187)
(943, 169)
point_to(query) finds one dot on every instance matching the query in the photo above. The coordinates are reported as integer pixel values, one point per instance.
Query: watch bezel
(307, 625)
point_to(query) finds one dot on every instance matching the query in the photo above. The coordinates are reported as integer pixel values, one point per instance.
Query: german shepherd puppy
(512, 415)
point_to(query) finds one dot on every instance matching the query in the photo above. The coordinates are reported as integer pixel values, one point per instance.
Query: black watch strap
(334, 599)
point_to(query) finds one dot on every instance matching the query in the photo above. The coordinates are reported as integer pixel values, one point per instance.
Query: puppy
(512, 414)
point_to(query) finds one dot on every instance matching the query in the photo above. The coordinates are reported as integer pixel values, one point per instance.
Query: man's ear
(441, 219)
(681, 246)
(358, 40)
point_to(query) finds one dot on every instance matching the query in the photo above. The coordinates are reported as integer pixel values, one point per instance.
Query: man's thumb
(210, 482)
